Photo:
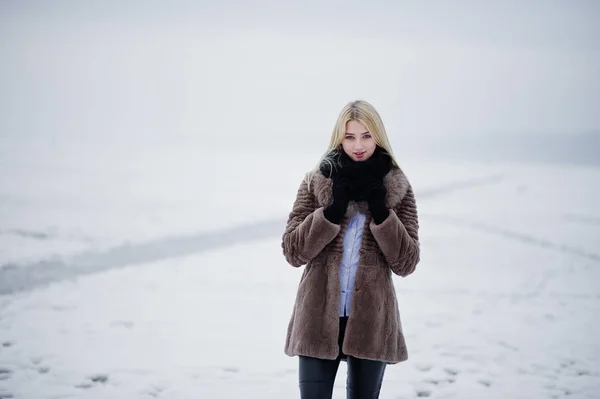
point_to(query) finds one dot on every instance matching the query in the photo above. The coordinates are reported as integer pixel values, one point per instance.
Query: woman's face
(358, 143)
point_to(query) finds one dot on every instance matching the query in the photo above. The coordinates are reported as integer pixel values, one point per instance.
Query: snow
(147, 295)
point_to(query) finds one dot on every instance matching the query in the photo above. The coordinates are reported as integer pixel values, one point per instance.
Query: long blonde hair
(360, 111)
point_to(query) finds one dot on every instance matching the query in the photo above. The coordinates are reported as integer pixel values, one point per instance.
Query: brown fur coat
(374, 329)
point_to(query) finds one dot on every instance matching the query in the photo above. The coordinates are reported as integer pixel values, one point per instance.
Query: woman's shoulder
(317, 185)
(397, 185)
(396, 173)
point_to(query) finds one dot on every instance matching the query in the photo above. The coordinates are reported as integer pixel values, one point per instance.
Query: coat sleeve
(307, 230)
(398, 236)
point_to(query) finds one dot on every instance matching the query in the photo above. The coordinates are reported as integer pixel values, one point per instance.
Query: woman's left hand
(376, 193)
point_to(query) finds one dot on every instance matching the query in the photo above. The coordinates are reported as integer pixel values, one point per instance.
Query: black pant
(318, 375)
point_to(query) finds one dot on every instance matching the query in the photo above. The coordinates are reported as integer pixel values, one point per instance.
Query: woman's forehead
(355, 127)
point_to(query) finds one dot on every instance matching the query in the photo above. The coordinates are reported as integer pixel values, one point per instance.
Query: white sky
(274, 74)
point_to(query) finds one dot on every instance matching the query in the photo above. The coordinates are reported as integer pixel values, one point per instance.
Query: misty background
(486, 80)
(150, 153)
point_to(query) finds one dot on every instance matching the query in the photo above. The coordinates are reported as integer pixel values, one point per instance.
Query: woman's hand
(341, 197)
(376, 192)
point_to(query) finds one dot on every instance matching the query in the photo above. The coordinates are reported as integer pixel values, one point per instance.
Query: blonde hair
(360, 111)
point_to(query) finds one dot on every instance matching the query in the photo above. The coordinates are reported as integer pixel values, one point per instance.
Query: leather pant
(317, 376)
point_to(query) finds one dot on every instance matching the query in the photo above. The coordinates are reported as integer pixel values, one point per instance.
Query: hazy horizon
(271, 75)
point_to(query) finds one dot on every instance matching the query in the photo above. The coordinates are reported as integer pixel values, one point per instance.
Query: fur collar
(395, 182)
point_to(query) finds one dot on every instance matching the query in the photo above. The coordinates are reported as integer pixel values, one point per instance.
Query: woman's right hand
(341, 197)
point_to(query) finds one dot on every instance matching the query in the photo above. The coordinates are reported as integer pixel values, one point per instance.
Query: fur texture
(374, 329)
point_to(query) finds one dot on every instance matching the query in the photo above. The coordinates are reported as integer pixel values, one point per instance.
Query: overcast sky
(268, 73)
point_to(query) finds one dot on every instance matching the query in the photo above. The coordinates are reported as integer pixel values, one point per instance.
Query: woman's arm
(307, 231)
(398, 236)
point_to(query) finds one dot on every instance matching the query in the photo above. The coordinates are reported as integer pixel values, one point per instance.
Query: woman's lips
(359, 154)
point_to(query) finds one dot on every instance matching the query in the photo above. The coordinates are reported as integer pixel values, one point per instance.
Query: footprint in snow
(433, 381)
(93, 381)
(85, 385)
(37, 361)
(423, 367)
(567, 363)
(156, 391)
(5, 373)
(102, 378)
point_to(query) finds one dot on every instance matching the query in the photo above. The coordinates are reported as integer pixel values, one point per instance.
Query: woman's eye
(350, 137)
(367, 136)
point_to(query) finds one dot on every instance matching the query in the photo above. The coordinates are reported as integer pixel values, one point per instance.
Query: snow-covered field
(161, 275)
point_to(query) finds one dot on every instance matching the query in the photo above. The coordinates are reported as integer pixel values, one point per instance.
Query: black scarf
(359, 174)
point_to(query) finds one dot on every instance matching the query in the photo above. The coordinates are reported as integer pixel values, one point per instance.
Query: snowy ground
(147, 279)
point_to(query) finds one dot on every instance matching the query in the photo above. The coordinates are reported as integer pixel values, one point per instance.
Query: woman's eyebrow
(352, 134)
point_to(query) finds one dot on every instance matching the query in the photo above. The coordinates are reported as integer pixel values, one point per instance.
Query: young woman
(353, 223)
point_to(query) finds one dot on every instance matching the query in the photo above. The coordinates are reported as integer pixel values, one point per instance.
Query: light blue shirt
(349, 263)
